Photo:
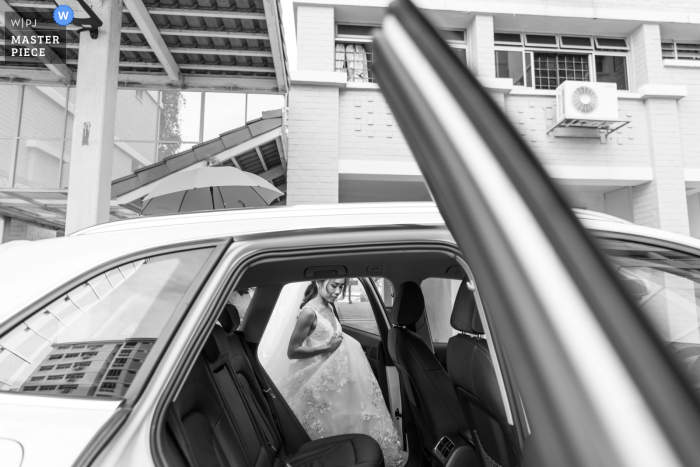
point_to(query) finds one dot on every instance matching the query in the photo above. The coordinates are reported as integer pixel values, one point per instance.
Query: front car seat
(471, 369)
(431, 397)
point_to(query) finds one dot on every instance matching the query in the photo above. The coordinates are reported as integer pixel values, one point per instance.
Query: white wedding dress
(336, 392)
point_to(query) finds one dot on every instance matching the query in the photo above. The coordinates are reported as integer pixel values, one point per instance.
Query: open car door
(585, 378)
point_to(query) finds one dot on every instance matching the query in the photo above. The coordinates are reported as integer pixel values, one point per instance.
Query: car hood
(49, 430)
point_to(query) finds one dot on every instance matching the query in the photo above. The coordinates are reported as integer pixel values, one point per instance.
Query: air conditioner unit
(583, 100)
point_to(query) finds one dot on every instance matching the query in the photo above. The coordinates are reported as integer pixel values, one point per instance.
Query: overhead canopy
(233, 45)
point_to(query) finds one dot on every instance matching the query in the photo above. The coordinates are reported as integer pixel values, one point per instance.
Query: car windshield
(665, 283)
(93, 340)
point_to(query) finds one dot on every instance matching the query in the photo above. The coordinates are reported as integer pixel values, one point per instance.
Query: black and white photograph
(349, 233)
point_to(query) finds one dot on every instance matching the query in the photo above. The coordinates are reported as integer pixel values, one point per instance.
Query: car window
(354, 309)
(93, 340)
(665, 283)
(439, 295)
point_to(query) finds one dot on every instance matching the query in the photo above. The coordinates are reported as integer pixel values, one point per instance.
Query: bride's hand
(335, 341)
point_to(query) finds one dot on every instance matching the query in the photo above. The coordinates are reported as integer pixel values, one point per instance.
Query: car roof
(29, 270)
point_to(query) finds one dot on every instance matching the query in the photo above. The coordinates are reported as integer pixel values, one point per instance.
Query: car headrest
(465, 314)
(216, 344)
(408, 304)
(230, 319)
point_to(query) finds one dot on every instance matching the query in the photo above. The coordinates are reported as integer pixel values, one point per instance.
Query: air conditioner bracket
(601, 128)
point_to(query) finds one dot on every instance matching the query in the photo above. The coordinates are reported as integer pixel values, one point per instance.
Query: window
(354, 51)
(611, 69)
(135, 309)
(516, 65)
(64, 366)
(665, 284)
(139, 95)
(552, 69)
(680, 50)
(440, 295)
(547, 60)
(355, 310)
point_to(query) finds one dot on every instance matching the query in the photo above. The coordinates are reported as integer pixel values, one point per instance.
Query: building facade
(345, 145)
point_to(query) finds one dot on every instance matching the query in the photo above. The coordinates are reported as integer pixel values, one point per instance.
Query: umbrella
(207, 189)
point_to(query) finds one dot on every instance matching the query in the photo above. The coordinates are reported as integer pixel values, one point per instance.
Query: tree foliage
(169, 129)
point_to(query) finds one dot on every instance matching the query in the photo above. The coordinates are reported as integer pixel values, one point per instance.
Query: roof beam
(206, 13)
(179, 50)
(200, 33)
(52, 61)
(159, 11)
(150, 31)
(262, 159)
(273, 29)
(232, 68)
(273, 173)
(43, 206)
(150, 81)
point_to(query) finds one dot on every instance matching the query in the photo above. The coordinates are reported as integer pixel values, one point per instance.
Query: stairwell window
(544, 61)
(354, 52)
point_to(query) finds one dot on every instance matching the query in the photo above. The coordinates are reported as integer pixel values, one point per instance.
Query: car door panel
(531, 260)
(370, 343)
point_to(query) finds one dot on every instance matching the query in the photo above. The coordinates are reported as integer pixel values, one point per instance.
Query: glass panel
(354, 308)
(258, 103)
(241, 300)
(461, 54)
(355, 60)
(509, 64)
(9, 96)
(610, 69)
(180, 116)
(222, 112)
(666, 285)
(513, 38)
(65, 170)
(37, 163)
(129, 156)
(451, 35)
(668, 50)
(537, 39)
(355, 30)
(688, 51)
(440, 295)
(606, 43)
(136, 119)
(6, 146)
(168, 149)
(552, 69)
(43, 110)
(576, 41)
(97, 348)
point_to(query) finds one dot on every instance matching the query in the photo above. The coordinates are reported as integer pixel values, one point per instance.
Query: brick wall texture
(315, 38)
(312, 168)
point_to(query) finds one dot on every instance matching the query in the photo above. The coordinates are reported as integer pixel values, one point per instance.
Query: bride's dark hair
(312, 290)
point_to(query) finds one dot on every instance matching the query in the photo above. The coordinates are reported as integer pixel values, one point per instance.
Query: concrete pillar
(481, 57)
(660, 203)
(4, 229)
(93, 127)
(313, 138)
(315, 38)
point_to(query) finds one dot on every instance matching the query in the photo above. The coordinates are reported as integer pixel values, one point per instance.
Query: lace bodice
(324, 330)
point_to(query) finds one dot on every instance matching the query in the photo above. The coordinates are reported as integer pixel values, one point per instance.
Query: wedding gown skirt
(336, 393)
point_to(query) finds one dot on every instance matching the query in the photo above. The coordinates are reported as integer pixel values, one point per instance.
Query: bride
(323, 374)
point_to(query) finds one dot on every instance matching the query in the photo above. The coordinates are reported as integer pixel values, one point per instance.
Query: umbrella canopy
(209, 188)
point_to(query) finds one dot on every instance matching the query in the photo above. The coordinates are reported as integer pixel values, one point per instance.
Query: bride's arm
(296, 349)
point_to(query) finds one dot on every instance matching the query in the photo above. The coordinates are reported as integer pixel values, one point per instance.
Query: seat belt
(180, 438)
(262, 382)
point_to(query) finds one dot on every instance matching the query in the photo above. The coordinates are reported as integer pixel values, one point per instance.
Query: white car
(500, 336)
(148, 289)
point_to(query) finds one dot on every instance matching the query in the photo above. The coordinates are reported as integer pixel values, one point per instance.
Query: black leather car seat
(222, 419)
(431, 397)
(471, 369)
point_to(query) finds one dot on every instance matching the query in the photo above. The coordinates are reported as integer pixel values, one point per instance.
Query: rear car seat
(222, 417)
